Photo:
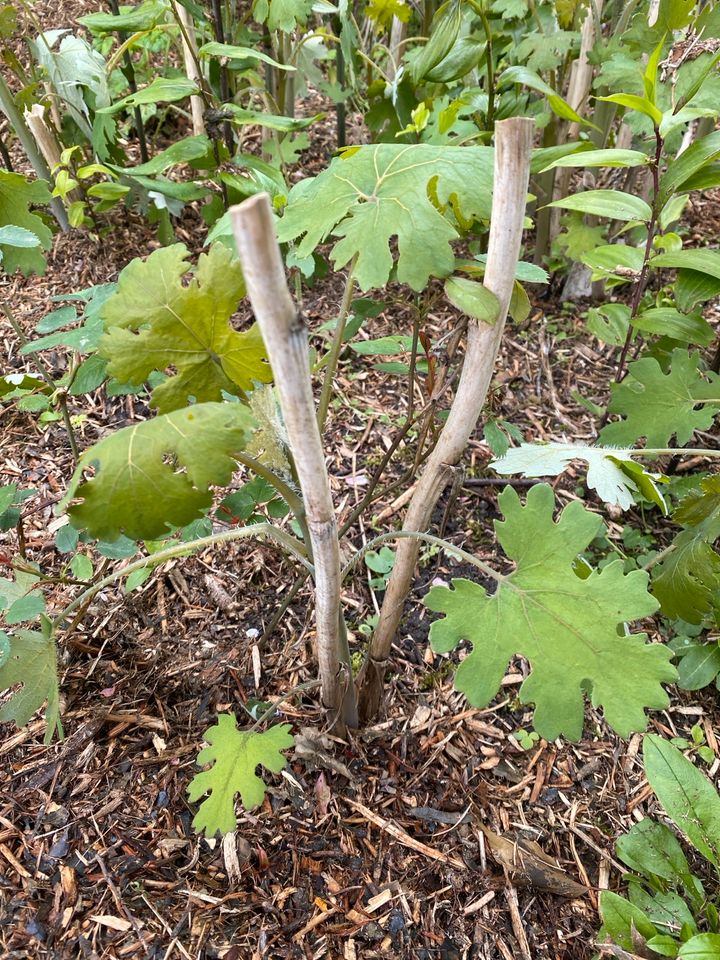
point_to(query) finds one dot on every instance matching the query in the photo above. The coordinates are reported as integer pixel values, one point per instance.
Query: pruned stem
(286, 342)
(513, 145)
(8, 107)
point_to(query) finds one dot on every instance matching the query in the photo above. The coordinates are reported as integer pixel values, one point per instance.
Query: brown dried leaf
(529, 865)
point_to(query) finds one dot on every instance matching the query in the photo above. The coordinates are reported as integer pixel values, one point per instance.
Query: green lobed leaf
(17, 195)
(31, 662)
(567, 628)
(686, 580)
(374, 193)
(153, 322)
(605, 474)
(234, 755)
(658, 405)
(157, 473)
(282, 15)
(613, 204)
(689, 798)
(19, 598)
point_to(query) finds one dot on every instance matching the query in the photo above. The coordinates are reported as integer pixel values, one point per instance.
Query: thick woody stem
(513, 145)
(286, 342)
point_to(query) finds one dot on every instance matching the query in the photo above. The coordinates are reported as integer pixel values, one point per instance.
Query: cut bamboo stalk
(45, 139)
(189, 49)
(513, 146)
(398, 33)
(9, 108)
(286, 343)
(581, 78)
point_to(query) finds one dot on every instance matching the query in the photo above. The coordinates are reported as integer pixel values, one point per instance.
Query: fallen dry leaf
(528, 865)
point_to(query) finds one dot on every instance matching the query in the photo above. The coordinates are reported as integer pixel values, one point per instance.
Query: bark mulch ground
(419, 837)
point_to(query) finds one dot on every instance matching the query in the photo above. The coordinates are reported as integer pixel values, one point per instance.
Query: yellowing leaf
(569, 629)
(234, 755)
(374, 193)
(29, 658)
(157, 473)
(154, 322)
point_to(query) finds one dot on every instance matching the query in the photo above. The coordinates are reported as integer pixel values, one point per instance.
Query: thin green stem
(427, 538)
(674, 451)
(259, 530)
(272, 709)
(333, 354)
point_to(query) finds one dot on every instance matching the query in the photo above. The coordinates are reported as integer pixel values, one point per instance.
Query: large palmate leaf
(687, 581)
(658, 405)
(234, 755)
(374, 193)
(29, 658)
(17, 195)
(154, 322)
(158, 472)
(569, 629)
(612, 473)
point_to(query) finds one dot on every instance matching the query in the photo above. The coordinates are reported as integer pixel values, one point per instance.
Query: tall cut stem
(286, 342)
(513, 146)
(7, 105)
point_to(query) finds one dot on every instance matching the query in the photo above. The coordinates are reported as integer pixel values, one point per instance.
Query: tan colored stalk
(513, 145)
(581, 78)
(286, 342)
(190, 58)
(43, 136)
(398, 33)
(45, 139)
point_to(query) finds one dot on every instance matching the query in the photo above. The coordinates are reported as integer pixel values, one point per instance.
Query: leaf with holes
(234, 755)
(569, 629)
(157, 473)
(29, 658)
(374, 193)
(658, 405)
(686, 581)
(154, 322)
